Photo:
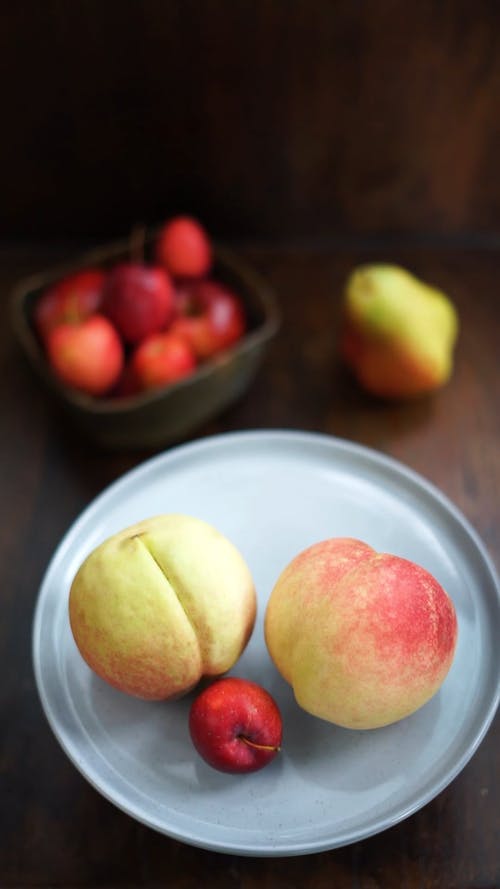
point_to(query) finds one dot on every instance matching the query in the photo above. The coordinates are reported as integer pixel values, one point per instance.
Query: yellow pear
(398, 333)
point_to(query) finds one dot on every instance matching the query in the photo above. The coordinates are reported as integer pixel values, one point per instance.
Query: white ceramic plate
(274, 493)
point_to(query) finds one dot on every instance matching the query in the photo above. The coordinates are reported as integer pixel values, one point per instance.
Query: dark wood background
(270, 119)
(315, 134)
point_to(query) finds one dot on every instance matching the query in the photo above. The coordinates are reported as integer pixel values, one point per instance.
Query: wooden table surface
(55, 829)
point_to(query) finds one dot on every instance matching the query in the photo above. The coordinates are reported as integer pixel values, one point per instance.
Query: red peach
(364, 638)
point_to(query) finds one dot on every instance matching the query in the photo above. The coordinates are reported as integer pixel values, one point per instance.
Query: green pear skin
(399, 333)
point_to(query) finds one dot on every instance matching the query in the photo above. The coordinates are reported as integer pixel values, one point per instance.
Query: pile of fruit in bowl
(140, 325)
(145, 340)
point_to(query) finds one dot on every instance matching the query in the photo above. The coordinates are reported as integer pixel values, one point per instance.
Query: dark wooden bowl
(161, 416)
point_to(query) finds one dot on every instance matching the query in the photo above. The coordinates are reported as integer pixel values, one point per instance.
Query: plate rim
(286, 436)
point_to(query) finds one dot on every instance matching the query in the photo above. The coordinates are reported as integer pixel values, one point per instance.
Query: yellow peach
(161, 604)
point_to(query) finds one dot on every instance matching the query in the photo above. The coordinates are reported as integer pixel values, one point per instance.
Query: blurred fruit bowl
(165, 415)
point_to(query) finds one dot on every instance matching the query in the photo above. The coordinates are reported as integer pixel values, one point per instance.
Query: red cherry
(210, 316)
(70, 300)
(87, 356)
(138, 299)
(161, 359)
(184, 248)
(235, 725)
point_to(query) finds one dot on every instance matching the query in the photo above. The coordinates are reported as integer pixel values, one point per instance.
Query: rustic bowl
(161, 416)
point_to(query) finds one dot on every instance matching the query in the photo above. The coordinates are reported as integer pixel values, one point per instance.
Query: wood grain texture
(55, 830)
(268, 118)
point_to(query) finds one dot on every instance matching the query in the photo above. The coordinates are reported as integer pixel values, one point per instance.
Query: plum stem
(257, 746)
